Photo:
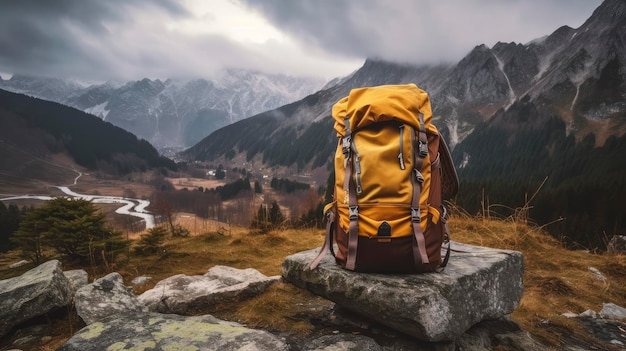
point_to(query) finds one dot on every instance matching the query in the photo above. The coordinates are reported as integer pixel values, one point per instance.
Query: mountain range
(171, 113)
(575, 74)
(547, 114)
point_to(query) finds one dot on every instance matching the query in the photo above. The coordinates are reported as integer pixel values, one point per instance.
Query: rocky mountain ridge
(171, 113)
(575, 74)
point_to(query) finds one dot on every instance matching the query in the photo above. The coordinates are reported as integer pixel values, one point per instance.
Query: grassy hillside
(556, 280)
(42, 128)
(22, 172)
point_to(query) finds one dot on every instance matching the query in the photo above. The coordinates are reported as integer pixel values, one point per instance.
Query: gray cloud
(75, 37)
(424, 31)
(118, 39)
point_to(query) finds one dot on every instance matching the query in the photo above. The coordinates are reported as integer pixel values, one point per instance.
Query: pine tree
(220, 173)
(261, 221)
(152, 242)
(275, 215)
(268, 219)
(29, 237)
(74, 228)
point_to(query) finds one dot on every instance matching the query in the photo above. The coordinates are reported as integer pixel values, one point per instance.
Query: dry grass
(194, 183)
(20, 172)
(556, 280)
(237, 247)
(282, 308)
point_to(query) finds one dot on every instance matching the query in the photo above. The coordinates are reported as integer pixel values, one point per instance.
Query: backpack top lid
(365, 106)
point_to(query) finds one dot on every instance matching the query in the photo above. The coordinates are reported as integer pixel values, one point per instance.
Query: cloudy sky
(122, 40)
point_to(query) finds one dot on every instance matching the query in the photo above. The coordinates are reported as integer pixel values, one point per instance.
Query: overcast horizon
(114, 40)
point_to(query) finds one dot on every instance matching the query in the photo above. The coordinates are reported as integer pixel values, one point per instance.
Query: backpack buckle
(422, 149)
(345, 146)
(354, 212)
(415, 215)
(418, 176)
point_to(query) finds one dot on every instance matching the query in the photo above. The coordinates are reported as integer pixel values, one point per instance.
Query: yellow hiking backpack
(392, 171)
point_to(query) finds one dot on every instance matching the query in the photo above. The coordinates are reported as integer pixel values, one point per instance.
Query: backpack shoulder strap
(419, 244)
(353, 208)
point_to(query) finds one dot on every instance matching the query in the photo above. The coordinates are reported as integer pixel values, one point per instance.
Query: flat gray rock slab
(478, 284)
(182, 293)
(154, 331)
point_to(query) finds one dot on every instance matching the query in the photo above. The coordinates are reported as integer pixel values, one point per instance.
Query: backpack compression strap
(419, 244)
(328, 241)
(351, 190)
(446, 239)
(353, 231)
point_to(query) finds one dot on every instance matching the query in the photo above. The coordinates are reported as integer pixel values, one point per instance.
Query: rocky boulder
(182, 293)
(77, 278)
(105, 297)
(118, 320)
(478, 284)
(613, 311)
(154, 331)
(608, 325)
(34, 293)
(19, 264)
(496, 334)
(343, 342)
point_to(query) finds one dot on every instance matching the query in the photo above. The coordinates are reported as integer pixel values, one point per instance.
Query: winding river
(131, 207)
